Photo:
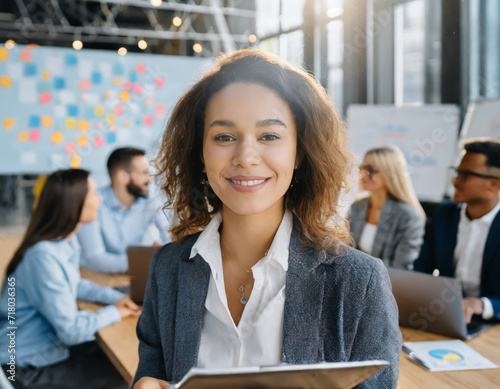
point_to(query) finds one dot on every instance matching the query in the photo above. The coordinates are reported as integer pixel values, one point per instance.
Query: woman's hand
(151, 383)
(127, 307)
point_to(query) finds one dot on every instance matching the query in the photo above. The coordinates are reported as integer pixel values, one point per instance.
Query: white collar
(208, 243)
(486, 219)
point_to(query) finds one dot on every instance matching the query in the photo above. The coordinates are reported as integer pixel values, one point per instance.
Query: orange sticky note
(85, 85)
(116, 81)
(99, 110)
(83, 125)
(23, 136)
(8, 123)
(45, 75)
(45, 97)
(57, 137)
(4, 54)
(124, 96)
(46, 121)
(25, 56)
(107, 95)
(5, 81)
(75, 161)
(70, 123)
(82, 141)
(127, 123)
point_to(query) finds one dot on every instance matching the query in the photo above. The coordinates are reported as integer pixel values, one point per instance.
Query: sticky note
(159, 115)
(45, 97)
(70, 123)
(23, 136)
(4, 54)
(59, 83)
(82, 141)
(43, 86)
(5, 81)
(96, 78)
(111, 137)
(159, 82)
(35, 135)
(118, 110)
(71, 59)
(127, 85)
(160, 107)
(118, 68)
(8, 123)
(29, 69)
(107, 95)
(148, 121)
(45, 75)
(25, 56)
(137, 88)
(75, 161)
(99, 126)
(127, 123)
(57, 137)
(133, 77)
(46, 121)
(70, 148)
(98, 141)
(72, 110)
(34, 121)
(140, 68)
(116, 81)
(124, 96)
(112, 127)
(85, 85)
(149, 101)
(83, 125)
(89, 112)
(111, 118)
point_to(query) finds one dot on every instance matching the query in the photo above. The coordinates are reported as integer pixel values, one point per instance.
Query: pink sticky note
(45, 97)
(35, 135)
(159, 115)
(99, 126)
(85, 85)
(25, 55)
(159, 81)
(98, 141)
(148, 121)
(127, 85)
(118, 110)
(140, 68)
(137, 88)
(70, 148)
(160, 107)
(148, 101)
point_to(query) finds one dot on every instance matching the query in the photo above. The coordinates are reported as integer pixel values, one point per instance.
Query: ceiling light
(122, 51)
(77, 45)
(177, 21)
(197, 48)
(143, 45)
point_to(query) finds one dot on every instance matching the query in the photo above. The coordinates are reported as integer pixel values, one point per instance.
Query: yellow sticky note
(45, 75)
(127, 123)
(107, 95)
(5, 81)
(57, 137)
(8, 123)
(75, 161)
(124, 96)
(83, 125)
(23, 136)
(70, 123)
(4, 54)
(82, 141)
(46, 121)
(116, 81)
(99, 110)
(111, 118)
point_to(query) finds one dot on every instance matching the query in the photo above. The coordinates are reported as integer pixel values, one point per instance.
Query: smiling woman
(253, 162)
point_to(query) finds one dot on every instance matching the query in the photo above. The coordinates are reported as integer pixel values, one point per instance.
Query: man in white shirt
(463, 240)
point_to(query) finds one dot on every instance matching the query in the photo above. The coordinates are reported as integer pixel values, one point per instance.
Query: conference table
(120, 343)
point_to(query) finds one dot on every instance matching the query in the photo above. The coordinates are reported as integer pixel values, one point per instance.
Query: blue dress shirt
(47, 319)
(105, 240)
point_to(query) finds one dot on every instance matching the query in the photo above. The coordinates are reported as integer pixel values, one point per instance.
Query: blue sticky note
(111, 137)
(59, 83)
(118, 68)
(72, 110)
(89, 112)
(96, 78)
(29, 69)
(133, 77)
(43, 86)
(34, 121)
(71, 59)
(138, 121)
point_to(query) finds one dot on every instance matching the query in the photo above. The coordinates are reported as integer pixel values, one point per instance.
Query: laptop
(139, 259)
(432, 304)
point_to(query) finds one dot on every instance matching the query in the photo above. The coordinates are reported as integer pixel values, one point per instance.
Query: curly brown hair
(321, 142)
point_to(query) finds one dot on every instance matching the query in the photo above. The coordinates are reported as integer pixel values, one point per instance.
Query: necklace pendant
(242, 288)
(244, 300)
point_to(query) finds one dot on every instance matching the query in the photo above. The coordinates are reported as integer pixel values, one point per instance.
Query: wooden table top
(119, 342)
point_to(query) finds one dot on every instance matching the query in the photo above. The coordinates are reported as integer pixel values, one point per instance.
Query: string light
(252, 38)
(143, 45)
(77, 45)
(10, 44)
(177, 21)
(122, 51)
(197, 48)
(156, 3)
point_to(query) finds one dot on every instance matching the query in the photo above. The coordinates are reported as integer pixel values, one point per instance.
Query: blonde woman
(388, 220)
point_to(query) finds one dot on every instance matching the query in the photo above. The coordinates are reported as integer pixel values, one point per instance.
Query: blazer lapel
(446, 241)
(492, 241)
(303, 304)
(357, 219)
(383, 228)
(194, 276)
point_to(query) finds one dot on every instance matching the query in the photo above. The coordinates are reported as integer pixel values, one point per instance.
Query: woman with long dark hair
(50, 339)
(253, 162)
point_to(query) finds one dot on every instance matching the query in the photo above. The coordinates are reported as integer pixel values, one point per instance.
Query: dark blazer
(400, 231)
(337, 308)
(439, 249)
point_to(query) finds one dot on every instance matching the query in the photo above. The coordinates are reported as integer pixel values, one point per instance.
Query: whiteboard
(65, 108)
(427, 136)
(482, 119)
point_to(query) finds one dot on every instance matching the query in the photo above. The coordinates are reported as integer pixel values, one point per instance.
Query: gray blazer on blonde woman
(338, 308)
(400, 231)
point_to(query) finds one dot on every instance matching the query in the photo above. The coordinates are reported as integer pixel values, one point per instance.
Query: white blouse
(258, 338)
(367, 238)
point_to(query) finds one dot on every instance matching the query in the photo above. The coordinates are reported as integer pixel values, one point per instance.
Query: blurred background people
(127, 217)
(463, 239)
(387, 221)
(52, 337)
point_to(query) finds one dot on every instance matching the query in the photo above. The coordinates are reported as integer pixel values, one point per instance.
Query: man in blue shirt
(127, 217)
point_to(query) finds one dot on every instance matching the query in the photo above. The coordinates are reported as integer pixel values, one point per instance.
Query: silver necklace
(234, 257)
(243, 298)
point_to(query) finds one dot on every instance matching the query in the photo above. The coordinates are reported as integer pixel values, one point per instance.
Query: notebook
(139, 259)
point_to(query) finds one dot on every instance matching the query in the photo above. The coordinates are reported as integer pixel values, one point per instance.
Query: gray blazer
(400, 232)
(337, 308)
